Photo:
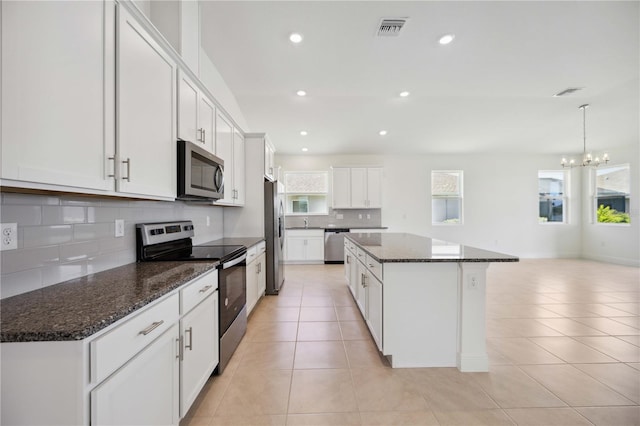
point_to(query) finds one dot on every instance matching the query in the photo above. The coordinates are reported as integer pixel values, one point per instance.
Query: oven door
(232, 286)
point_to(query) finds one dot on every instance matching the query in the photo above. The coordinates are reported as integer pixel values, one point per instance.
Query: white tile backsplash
(65, 237)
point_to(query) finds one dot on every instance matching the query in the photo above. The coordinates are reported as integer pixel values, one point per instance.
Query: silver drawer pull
(190, 345)
(371, 265)
(151, 327)
(205, 288)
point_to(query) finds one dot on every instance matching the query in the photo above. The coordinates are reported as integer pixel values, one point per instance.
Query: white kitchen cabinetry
(199, 339)
(256, 274)
(146, 159)
(269, 161)
(230, 148)
(357, 187)
(58, 94)
(196, 114)
(304, 245)
(144, 391)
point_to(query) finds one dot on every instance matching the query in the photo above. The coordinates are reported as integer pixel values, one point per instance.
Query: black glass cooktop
(221, 253)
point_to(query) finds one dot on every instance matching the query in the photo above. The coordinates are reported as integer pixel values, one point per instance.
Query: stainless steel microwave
(200, 173)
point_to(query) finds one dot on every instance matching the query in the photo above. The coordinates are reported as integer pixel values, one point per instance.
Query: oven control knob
(226, 301)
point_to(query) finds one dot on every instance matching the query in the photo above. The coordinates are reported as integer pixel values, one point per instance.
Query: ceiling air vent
(567, 92)
(390, 27)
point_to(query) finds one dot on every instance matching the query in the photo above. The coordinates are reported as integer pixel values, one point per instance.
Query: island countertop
(408, 248)
(78, 308)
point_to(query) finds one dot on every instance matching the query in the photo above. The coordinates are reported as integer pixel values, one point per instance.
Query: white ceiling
(489, 91)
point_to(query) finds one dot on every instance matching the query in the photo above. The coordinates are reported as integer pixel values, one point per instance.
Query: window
(446, 197)
(552, 193)
(612, 189)
(306, 192)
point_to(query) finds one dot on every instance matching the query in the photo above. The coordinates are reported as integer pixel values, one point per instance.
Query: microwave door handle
(218, 179)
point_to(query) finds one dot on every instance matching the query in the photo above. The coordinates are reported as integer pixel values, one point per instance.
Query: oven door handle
(234, 262)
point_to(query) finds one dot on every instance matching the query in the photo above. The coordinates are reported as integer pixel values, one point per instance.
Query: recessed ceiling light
(382, 132)
(301, 93)
(295, 38)
(404, 94)
(305, 149)
(303, 133)
(447, 38)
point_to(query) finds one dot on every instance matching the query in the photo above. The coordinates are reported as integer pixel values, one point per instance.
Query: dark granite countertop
(400, 247)
(235, 241)
(77, 309)
(338, 227)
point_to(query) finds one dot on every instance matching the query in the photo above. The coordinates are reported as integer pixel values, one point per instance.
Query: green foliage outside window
(609, 215)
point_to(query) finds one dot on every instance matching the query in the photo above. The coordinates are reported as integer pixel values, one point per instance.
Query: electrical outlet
(119, 228)
(9, 236)
(359, 216)
(368, 216)
(208, 221)
(473, 282)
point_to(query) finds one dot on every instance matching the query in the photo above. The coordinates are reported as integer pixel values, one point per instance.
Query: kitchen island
(423, 299)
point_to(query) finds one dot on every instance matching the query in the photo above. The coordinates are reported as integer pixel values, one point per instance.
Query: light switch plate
(119, 228)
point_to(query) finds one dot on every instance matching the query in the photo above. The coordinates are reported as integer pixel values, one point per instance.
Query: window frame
(460, 197)
(566, 197)
(594, 195)
(324, 193)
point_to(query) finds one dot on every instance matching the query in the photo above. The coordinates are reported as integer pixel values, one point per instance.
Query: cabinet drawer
(252, 253)
(261, 247)
(197, 291)
(305, 233)
(113, 349)
(375, 267)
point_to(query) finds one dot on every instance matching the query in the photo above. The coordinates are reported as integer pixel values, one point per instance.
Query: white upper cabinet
(269, 161)
(357, 187)
(196, 114)
(58, 93)
(146, 157)
(230, 147)
(341, 187)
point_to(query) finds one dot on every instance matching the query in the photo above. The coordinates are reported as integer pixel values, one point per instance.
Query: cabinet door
(374, 187)
(238, 167)
(58, 93)
(296, 248)
(341, 192)
(315, 248)
(188, 110)
(146, 113)
(206, 121)
(361, 291)
(348, 265)
(144, 391)
(262, 276)
(199, 331)
(359, 187)
(374, 304)
(252, 285)
(224, 150)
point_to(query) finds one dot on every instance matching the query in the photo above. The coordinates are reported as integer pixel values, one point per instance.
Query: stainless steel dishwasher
(334, 245)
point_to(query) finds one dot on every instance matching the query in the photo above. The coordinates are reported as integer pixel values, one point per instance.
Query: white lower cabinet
(304, 245)
(199, 350)
(364, 275)
(256, 274)
(144, 391)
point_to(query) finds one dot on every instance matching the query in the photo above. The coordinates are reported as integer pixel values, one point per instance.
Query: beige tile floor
(563, 337)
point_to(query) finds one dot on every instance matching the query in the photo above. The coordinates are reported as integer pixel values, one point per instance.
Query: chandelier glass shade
(588, 160)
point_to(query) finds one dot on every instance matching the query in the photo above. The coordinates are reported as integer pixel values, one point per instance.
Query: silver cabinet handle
(152, 327)
(205, 288)
(128, 163)
(371, 265)
(178, 340)
(204, 135)
(190, 345)
(348, 260)
(114, 167)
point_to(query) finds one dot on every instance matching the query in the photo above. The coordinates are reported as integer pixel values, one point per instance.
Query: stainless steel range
(172, 241)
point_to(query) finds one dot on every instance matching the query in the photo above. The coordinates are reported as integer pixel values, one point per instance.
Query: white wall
(500, 199)
(613, 242)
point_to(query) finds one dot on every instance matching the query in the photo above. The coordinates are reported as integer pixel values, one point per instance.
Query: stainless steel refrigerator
(274, 234)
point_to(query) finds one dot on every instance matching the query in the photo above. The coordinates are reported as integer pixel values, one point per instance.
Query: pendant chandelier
(587, 159)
